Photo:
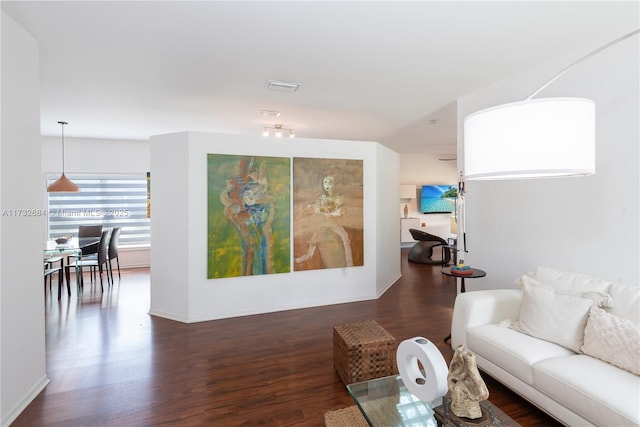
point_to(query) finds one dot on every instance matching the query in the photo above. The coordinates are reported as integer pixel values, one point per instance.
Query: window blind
(110, 200)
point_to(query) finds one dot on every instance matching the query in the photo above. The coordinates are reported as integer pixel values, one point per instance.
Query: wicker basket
(362, 351)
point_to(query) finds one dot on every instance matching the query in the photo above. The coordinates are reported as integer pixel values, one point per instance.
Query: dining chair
(89, 231)
(113, 251)
(50, 270)
(101, 262)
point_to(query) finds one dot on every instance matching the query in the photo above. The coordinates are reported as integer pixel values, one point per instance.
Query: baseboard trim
(389, 285)
(11, 416)
(170, 316)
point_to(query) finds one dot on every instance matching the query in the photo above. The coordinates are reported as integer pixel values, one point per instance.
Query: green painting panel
(248, 214)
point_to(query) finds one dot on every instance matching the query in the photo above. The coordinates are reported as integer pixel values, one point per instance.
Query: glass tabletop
(387, 402)
(73, 244)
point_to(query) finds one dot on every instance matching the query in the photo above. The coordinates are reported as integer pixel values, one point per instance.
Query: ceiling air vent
(282, 86)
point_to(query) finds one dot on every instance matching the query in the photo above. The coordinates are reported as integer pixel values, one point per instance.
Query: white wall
(180, 289)
(425, 168)
(96, 156)
(584, 224)
(21, 282)
(386, 189)
(92, 155)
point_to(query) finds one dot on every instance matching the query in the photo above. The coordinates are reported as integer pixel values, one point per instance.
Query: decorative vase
(406, 211)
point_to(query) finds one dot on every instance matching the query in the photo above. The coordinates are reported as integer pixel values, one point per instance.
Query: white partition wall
(180, 289)
(22, 312)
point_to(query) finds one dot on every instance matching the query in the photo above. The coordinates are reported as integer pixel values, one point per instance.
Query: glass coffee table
(386, 402)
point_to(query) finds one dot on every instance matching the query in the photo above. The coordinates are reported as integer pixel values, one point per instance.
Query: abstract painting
(249, 219)
(328, 213)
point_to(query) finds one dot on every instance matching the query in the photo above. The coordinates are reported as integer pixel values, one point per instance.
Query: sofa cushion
(626, 301)
(613, 340)
(572, 282)
(511, 350)
(599, 392)
(553, 316)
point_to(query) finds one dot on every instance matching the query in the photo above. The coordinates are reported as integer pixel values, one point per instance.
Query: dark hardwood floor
(112, 364)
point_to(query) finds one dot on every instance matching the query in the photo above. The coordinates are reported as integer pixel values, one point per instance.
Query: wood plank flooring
(112, 364)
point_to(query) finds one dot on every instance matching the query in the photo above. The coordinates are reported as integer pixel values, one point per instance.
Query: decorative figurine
(466, 385)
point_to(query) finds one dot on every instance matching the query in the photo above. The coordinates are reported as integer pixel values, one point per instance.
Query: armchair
(422, 251)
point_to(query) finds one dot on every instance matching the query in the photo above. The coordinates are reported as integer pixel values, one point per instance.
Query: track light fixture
(278, 131)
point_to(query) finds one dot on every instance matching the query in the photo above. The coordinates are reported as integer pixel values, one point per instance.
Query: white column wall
(179, 231)
(583, 224)
(22, 345)
(170, 238)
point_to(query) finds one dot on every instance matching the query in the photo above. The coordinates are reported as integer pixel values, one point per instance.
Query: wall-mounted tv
(438, 198)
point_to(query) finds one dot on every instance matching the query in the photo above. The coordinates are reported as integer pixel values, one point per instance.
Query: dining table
(73, 247)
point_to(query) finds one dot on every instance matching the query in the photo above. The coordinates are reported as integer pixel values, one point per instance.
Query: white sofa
(575, 388)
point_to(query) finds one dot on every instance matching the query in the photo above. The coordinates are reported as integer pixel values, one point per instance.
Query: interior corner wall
(22, 338)
(585, 224)
(180, 289)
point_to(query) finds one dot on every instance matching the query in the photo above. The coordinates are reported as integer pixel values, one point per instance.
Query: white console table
(405, 225)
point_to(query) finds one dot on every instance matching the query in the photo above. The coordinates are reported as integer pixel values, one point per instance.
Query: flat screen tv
(438, 198)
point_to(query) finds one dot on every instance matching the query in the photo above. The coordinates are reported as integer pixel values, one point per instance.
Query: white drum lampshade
(536, 138)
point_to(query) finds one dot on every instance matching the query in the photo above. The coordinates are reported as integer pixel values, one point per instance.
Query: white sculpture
(422, 368)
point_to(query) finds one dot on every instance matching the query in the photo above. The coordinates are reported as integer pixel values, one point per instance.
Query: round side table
(475, 273)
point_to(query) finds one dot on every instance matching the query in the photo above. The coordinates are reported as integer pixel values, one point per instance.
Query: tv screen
(438, 198)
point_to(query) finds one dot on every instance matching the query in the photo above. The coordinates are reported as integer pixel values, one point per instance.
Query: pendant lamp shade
(62, 184)
(535, 138)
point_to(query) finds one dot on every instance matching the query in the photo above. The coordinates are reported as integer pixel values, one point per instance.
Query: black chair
(422, 251)
(113, 251)
(50, 270)
(89, 231)
(100, 260)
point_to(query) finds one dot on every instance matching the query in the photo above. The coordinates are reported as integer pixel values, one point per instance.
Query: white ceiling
(377, 71)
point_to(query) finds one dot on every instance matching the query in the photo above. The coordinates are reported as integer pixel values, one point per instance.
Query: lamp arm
(589, 55)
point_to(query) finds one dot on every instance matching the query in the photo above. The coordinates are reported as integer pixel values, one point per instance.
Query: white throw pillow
(613, 340)
(558, 317)
(573, 284)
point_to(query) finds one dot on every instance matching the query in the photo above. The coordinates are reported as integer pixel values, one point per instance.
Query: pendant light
(63, 184)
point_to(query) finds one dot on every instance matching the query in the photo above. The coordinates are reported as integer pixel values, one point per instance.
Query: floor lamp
(514, 141)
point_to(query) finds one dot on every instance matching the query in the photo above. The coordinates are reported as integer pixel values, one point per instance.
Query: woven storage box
(362, 351)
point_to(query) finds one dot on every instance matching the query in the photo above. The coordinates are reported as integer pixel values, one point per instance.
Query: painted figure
(250, 209)
(330, 235)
